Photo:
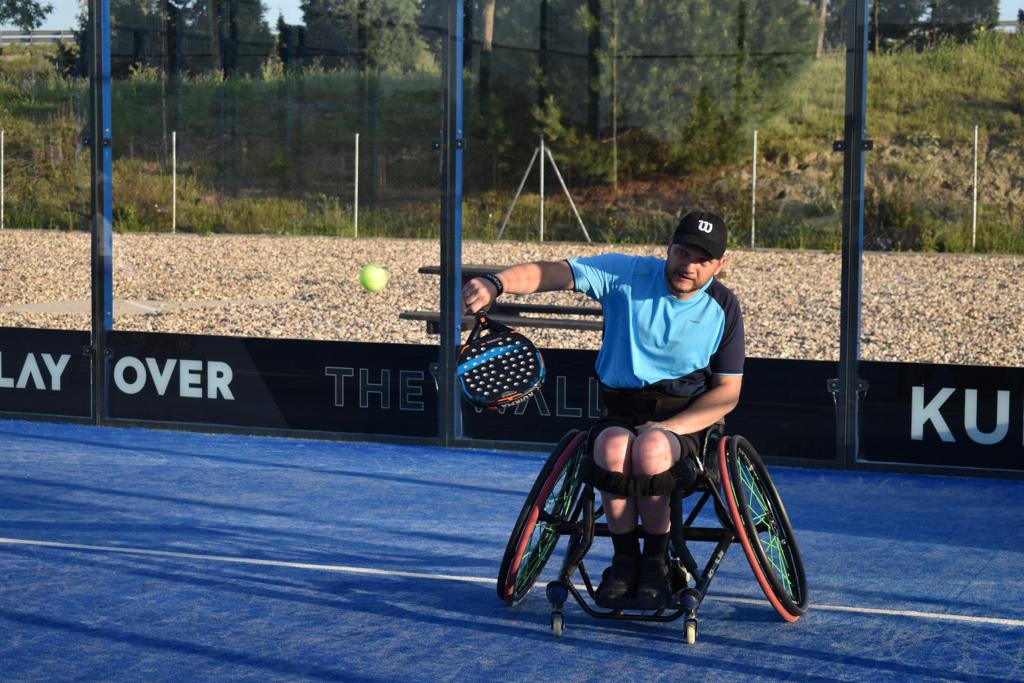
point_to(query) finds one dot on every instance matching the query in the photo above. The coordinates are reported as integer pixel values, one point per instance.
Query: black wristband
(496, 281)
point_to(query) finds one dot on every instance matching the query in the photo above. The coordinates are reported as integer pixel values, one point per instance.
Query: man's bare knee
(654, 452)
(611, 449)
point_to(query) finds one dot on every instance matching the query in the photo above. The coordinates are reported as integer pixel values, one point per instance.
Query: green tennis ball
(373, 278)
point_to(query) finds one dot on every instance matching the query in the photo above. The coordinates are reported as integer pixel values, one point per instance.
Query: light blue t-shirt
(653, 338)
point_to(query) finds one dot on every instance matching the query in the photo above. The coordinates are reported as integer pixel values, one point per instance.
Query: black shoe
(618, 581)
(653, 589)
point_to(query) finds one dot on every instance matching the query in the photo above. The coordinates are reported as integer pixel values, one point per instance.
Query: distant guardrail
(34, 37)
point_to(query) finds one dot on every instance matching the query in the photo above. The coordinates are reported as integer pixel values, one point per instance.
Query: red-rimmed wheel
(763, 527)
(552, 501)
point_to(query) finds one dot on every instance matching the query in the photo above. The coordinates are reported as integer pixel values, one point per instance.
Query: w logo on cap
(702, 229)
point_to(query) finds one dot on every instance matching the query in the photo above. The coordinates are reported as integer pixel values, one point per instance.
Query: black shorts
(629, 409)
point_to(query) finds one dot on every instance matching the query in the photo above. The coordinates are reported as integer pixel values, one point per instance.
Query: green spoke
(777, 558)
(764, 521)
(559, 504)
(536, 555)
(754, 493)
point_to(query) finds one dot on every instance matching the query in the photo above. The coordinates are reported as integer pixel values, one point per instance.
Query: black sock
(655, 546)
(627, 544)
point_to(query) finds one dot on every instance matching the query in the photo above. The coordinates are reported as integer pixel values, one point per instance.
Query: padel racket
(497, 366)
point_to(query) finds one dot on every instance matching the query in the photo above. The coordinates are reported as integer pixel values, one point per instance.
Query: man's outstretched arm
(525, 278)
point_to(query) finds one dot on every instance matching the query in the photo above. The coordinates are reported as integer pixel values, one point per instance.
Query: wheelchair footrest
(637, 604)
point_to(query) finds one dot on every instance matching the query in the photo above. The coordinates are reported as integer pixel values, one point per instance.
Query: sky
(1008, 9)
(65, 12)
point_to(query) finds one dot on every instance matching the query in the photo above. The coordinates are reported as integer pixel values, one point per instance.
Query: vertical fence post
(449, 402)
(974, 220)
(101, 200)
(854, 144)
(355, 192)
(541, 188)
(753, 194)
(174, 181)
(615, 100)
(2, 194)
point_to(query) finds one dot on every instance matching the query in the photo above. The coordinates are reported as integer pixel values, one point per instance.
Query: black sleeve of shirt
(728, 359)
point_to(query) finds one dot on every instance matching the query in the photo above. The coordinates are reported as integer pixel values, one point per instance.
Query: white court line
(244, 560)
(347, 569)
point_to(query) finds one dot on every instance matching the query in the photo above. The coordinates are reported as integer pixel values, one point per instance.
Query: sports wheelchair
(730, 474)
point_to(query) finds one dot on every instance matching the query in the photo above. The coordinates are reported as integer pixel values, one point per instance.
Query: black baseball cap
(702, 229)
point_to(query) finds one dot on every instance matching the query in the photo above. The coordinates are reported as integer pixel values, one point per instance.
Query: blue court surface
(130, 554)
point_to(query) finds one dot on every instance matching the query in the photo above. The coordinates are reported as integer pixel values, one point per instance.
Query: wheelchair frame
(731, 475)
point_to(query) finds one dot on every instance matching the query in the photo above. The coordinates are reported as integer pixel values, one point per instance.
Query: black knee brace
(683, 473)
(642, 485)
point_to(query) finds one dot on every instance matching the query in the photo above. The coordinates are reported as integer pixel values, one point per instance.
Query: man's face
(688, 268)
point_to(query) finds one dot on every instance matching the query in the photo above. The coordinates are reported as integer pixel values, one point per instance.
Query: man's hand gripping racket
(497, 366)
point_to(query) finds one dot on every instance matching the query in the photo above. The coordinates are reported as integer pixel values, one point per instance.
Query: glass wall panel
(646, 111)
(944, 193)
(261, 160)
(44, 166)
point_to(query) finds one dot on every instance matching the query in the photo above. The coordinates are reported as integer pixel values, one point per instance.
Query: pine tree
(233, 32)
(681, 82)
(27, 15)
(893, 22)
(376, 34)
(961, 18)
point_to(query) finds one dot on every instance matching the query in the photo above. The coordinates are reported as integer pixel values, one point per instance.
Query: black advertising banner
(913, 414)
(945, 415)
(570, 399)
(345, 387)
(357, 388)
(45, 372)
(785, 410)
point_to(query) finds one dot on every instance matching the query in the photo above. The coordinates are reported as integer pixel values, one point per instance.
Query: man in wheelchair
(671, 366)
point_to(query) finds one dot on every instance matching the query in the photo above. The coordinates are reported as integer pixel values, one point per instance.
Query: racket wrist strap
(496, 281)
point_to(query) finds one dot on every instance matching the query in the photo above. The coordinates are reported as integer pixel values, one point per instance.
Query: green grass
(942, 92)
(273, 154)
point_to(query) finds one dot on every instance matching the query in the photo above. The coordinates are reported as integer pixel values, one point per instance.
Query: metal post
(974, 220)
(174, 181)
(565, 189)
(854, 145)
(449, 405)
(753, 195)
(541, 188)
(102, 201)
(615, 100)
(355, 192)
(519, 191)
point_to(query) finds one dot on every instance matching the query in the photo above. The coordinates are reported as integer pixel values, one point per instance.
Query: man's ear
(722, 263)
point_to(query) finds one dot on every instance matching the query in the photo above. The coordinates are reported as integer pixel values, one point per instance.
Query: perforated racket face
(500, 369)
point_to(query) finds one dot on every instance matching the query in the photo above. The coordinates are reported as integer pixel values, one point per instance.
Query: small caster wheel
(557, 623)
(691, 632)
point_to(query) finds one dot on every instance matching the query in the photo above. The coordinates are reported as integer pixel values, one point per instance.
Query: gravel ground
(960, 309)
